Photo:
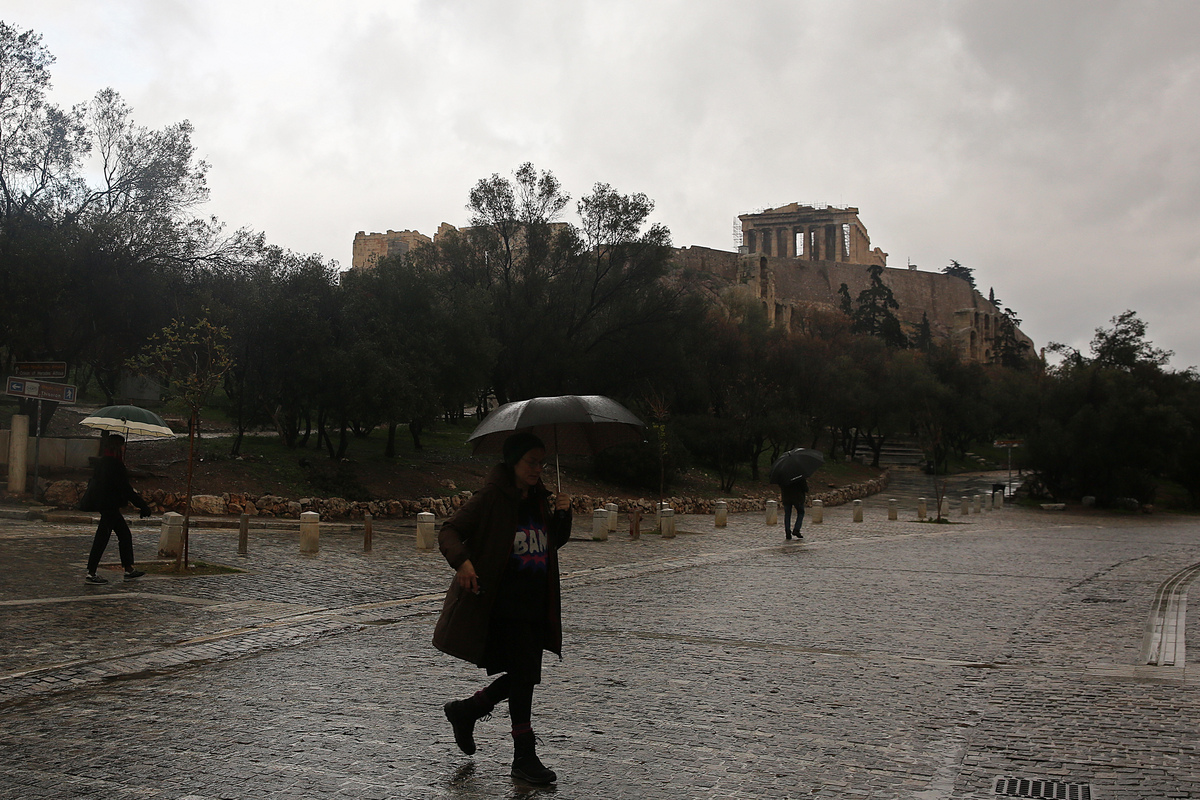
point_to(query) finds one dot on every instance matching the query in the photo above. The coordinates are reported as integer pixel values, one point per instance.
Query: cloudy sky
(1052, 146)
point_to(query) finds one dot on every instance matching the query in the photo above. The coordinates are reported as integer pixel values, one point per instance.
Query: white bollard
(922, 508)
(426, 536)
(818, 511)
(18, 454)
(858, 510)
(976, 504)
(600, 525)
(893, 512)
(611, 508)
(170, 537)
(310, 532)
(772, 512)
(667, 522)
(721, 514)
(965, 505)
(997, 501)
(944, 507)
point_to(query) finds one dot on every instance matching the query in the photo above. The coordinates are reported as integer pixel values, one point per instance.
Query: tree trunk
(390, 450)
(181, 558)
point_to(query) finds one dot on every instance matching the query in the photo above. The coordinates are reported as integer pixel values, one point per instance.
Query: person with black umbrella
(790, 471)
(504, 606)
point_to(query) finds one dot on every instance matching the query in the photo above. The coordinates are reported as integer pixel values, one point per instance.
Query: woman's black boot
(462, 715)
(526, 765)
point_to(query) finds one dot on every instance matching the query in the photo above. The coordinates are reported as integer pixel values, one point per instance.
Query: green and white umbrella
(126, 420)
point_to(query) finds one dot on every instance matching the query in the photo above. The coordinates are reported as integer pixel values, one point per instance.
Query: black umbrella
(569, 424)
(796, 464)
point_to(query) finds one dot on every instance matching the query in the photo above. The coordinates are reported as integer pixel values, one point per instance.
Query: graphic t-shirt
(523, 587)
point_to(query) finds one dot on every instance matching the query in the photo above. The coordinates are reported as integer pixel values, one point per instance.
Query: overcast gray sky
(1052, 146)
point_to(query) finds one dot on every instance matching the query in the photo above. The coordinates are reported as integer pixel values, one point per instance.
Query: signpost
(17, 386)
(1010, 444)
(40, 390)
(45, 370)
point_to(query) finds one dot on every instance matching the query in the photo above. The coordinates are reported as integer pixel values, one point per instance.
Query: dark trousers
(787, 518)
(112, 522)
(518, 693)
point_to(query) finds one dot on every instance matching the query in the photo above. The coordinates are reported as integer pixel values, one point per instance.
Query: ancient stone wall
(369, 248)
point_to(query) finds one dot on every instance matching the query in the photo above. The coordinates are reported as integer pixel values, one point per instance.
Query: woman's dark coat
(482, 531)
(109, 488)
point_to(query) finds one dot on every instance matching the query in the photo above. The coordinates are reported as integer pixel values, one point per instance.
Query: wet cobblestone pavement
(874, 660)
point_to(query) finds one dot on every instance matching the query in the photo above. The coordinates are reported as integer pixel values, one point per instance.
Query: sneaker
(133, 573)
(94, 578)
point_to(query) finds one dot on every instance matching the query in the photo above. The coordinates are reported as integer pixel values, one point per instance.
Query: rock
(208, 504)
(64, 494)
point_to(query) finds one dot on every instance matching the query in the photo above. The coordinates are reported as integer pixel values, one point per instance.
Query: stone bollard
(426, 536)
(944, 507)
(772, 512)
(818, 511)
(922, 508)
(368, 533)
(976, 504)
(965, 505)
(170, 537)
(721, 514)
(635, 524)
(997, 501)
(18, 454)
(244, 534)
(667, 522)
(858, 511)
(600, 525)
(310, 532)
(611, 508)
(893, 513)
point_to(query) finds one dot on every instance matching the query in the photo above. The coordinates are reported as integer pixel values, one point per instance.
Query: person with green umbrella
(107, 492)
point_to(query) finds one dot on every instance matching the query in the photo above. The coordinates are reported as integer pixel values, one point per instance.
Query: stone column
(170, 537)
(310, 532)
(976, 504)
(426, 536)
(667, 523)
(966, 505)
(893, 513)
(18, 454)
(944, 508)
(818, 511)
(858, 511)
(721, 514)
(611, 508)
(600, 525)
(772, 512)
(922, 508)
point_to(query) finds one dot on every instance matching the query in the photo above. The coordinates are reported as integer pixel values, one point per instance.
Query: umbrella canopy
(796, 464)
(569, 424)
(126, 420)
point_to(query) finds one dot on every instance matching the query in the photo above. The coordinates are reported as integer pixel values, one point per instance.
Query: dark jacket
(482, 531)
(109, 488)
(794, 493)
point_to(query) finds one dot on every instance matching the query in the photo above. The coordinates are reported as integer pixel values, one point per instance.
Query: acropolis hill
(796, 257)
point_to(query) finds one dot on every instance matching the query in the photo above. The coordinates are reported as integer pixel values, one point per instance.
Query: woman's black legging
(519, 695)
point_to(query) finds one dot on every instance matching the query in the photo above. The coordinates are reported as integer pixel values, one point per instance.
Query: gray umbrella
(796, 464)
(569, 424)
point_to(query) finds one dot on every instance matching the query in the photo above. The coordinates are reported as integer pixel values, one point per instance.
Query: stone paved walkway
(874, 660)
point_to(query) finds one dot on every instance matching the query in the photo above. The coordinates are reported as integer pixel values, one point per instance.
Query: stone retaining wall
(66, 494)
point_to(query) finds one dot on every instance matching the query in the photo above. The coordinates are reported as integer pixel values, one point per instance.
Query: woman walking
(504, 606)
(107, 493)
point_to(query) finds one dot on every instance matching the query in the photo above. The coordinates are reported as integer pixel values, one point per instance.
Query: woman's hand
(467, 579)
(562, 502)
